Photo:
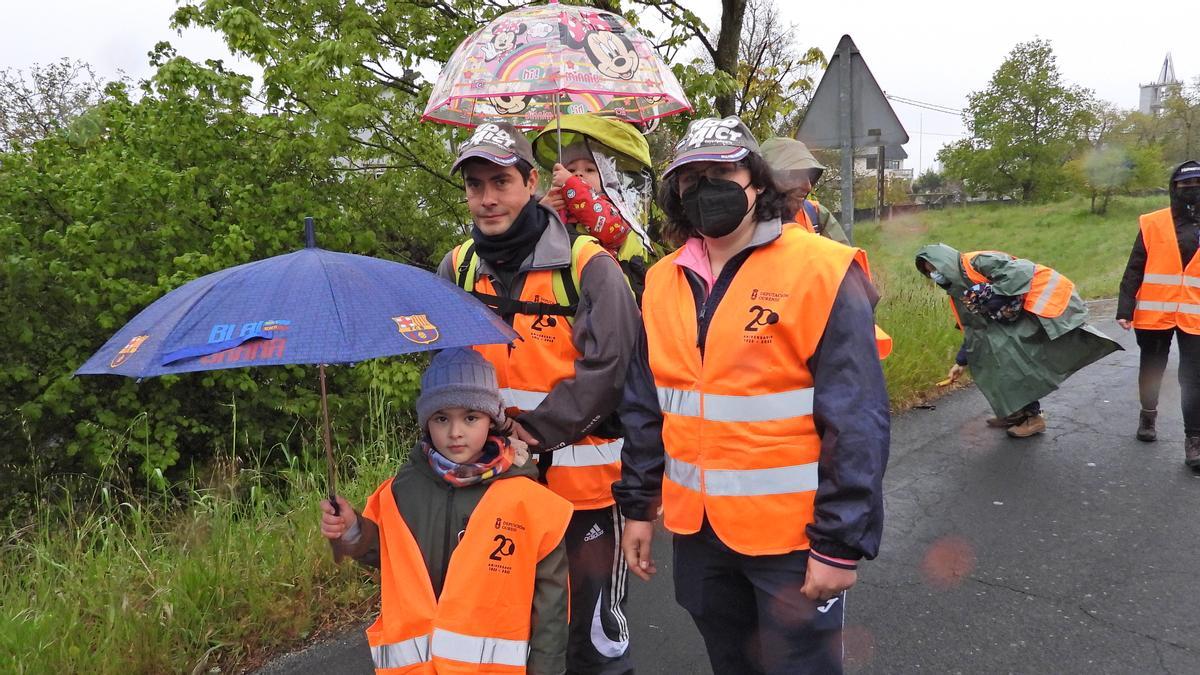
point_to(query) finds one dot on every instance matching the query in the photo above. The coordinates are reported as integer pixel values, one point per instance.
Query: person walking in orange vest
(796, 172)
(756, 413)
(569, 301)
(1160, 299)
(1024, 328)
(469, 546)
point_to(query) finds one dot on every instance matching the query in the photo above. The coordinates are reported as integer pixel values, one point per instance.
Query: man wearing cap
(562, 379)
(796, 172)
(1160, 299)
(755, 412)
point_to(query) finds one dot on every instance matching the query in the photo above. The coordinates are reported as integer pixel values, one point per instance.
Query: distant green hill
(1090, 250)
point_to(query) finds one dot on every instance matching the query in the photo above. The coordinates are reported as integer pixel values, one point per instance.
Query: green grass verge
(1090, 250)
(124, 585)
(226, 572)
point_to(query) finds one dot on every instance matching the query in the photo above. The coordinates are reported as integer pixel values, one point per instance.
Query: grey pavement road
(1072, 552)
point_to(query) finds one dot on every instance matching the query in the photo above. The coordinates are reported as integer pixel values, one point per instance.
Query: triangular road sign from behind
(872, 120)
(850, 111)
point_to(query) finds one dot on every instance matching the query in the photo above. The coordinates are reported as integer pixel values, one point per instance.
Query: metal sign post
(845, 136)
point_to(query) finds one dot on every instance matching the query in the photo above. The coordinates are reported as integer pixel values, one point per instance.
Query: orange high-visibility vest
(584, 471)
(741, 444)
(480, 624)
(1049, 291)
(1169, 296)
(804, 221)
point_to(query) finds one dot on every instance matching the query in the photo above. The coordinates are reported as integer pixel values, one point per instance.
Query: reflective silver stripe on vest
(1183, 307)
(401, 654)
(683, 473)
(679, 401)
(1164, 279)
(589, 455)
(473, 649)
(520, 398)
(761, 408)
(1151, 306)
(1040, 306)
(744, 482)
(1172, 280)
(725, 408)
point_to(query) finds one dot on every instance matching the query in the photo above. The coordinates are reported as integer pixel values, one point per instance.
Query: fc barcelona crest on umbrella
(127, 351)
(417, 328)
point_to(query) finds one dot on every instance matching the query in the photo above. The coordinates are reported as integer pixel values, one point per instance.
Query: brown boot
(1191, 452)
(1146, 431)
(1034, 424)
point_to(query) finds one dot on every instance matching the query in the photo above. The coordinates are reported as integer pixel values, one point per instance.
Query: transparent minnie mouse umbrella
(531, 65)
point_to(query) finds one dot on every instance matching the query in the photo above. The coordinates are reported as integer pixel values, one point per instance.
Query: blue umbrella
(308, 307)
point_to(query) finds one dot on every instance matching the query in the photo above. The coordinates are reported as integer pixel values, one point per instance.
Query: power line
(922, 104)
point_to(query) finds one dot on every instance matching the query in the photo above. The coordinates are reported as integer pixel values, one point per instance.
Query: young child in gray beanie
(462, 457)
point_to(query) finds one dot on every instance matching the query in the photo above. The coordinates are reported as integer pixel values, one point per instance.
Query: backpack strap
(814, 215)
(468, 269)
(468, 265)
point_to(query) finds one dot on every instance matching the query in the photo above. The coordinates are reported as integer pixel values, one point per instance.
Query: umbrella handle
(330, 466)
(558, 123)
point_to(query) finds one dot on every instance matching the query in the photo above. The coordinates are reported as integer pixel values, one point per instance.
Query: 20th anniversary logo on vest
(504, 546)
(761, 315)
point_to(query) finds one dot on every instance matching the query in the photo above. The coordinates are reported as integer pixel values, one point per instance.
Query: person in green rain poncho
(1024, 329)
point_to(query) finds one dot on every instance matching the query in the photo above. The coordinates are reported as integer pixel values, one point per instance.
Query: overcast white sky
(936, 51)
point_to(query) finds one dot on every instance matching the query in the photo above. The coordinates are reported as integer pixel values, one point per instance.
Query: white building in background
(1155, 93)
(866, 162)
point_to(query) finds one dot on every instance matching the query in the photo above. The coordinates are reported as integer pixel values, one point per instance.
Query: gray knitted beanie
(459, 378)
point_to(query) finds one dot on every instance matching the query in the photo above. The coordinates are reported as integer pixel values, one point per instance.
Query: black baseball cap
(497, 142)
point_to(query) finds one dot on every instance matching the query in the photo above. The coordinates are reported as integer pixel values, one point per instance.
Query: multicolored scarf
(498, 456)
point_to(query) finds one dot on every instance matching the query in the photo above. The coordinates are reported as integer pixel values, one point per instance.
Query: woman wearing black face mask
(755, 414)
(1160, 299)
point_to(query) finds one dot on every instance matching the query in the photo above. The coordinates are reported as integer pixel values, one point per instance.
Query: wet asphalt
(1076, 551)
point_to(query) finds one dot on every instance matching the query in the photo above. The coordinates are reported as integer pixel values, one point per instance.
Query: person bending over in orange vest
(755, 412)
(469, 546)
(1160, 299)
(1024, 330)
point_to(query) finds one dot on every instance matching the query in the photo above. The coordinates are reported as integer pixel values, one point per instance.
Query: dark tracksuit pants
(1155, 348)
(750, 611)
(598, 641)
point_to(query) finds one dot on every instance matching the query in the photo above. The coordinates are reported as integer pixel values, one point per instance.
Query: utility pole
(879, 187)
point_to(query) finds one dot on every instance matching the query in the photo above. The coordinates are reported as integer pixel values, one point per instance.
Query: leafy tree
(1118, 161)
(1024, 127)
(1177, 127)
(775, 80)
(44, 100)
(164, 185)
(930, 180)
